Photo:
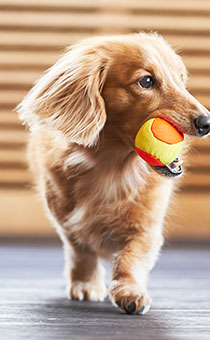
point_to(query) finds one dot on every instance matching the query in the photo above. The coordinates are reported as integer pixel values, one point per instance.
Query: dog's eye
(147, 82)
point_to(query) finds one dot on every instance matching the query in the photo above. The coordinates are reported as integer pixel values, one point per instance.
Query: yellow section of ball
(146, 142)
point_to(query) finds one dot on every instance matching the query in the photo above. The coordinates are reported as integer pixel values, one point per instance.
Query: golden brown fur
(103, 199)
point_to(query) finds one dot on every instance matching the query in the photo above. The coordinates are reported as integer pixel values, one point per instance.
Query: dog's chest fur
(103, 204)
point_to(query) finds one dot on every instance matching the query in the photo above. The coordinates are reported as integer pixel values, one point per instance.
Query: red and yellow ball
(158, 142)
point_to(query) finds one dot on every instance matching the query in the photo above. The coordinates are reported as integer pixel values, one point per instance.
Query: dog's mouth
(174, 169)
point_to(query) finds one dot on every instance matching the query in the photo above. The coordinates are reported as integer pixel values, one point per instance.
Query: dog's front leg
(131, 267)
(84, 273)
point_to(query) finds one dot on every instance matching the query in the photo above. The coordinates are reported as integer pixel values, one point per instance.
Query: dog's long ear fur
(67, 98)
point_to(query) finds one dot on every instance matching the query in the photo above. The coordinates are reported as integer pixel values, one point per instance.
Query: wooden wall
(32, 35)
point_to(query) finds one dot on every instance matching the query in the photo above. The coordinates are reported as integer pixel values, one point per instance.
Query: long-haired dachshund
(104, 200)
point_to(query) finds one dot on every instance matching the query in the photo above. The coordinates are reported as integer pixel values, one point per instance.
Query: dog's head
(117, 82)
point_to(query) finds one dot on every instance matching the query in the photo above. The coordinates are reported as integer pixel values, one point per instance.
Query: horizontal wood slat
(10, 98)
(9, 119)
(10, 158)
(200, 180)
(27, 60)
(18, 79)
(180, 6)
(198, 160)
(13, 137)
(189, 216)
(56, 41)
(199, 143)
(16, 176)
(22, 214)
(197, 64)
(106, 22)
(199, 83)
(41, 60)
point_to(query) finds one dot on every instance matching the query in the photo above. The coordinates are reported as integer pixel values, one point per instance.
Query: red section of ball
(149, 158)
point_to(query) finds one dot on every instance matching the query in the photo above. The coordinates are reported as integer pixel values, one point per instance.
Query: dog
(104, 200)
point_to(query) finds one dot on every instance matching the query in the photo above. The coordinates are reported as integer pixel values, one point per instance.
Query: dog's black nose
(202, 124)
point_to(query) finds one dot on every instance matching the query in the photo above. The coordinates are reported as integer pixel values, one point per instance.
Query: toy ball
(158, 142)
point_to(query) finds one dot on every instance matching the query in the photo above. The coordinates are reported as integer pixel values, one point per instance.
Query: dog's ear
(68, 97)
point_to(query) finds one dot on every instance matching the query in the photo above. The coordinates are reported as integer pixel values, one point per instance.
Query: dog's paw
(130, 297)
(87, 291)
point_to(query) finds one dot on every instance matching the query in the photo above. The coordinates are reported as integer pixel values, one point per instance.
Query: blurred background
(33, 33)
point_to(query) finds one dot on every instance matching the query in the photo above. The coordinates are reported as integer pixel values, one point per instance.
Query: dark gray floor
(33, 303)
